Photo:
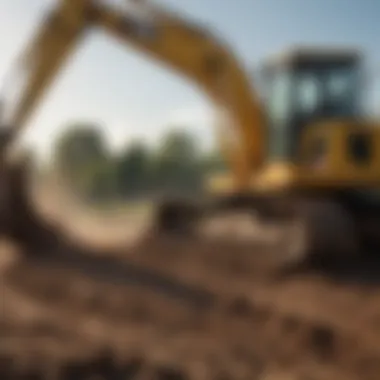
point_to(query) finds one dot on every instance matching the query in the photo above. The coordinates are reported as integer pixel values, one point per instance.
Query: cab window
(279, 97)
(309, 97)
(341, 90)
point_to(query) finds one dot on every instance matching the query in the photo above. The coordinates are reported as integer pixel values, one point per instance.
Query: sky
(130, 97)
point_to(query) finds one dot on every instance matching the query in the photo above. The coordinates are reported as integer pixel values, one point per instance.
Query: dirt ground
(186, 309)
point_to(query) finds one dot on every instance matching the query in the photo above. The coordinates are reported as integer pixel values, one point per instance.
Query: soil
(192, 308)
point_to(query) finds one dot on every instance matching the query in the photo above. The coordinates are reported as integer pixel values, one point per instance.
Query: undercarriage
(320, 230)
(306, 229)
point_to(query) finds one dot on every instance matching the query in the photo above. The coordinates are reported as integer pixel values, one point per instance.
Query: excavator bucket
(20, 222)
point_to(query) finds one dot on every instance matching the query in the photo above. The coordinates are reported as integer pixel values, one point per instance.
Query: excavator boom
(183, 46)
(41, 61)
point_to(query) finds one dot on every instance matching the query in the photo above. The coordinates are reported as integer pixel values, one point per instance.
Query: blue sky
(131, 96)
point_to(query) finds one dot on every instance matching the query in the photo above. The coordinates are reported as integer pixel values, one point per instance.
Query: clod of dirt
(240, 307)
(166, 372)
(322, 342)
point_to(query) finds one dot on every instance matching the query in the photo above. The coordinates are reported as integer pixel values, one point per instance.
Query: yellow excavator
(305, 158)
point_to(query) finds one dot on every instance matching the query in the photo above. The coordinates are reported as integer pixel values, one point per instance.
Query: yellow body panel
(334, 169)
(338, 168)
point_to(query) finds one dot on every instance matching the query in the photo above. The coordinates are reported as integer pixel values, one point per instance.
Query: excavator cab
(305, 87)
(317, 136)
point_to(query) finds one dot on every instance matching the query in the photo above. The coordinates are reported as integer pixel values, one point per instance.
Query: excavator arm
(183, 46)
(41, 61)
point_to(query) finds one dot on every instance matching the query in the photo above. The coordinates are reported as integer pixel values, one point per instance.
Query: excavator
(304, 156)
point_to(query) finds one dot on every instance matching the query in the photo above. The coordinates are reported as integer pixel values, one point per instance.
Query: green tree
(133, 170)
(81, 155)
(99, 183)
(176, 163)
(213, 162)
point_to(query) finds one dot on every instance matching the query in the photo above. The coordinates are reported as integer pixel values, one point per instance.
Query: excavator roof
(314, 55)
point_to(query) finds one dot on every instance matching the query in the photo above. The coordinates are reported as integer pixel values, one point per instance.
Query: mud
(186, 309)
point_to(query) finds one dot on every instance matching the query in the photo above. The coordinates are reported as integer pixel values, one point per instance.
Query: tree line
(95, 173)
